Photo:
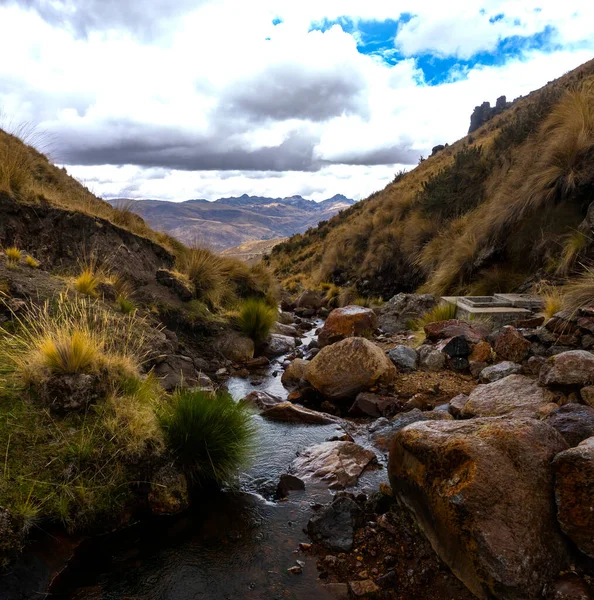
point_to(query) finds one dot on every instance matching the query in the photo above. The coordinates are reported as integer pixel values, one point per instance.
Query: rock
(457, 404)
(285, 329)
(339, 464)
(499, 371)
(569, 587)
(261, 400)
(179, 285)
(168, 494)
(575, 367)
(286, 318)
(295, 570)
(363, 589)
(501, 545)
(179, 371)
(374, 405)
(529, 323)
(587, 394)
(294, 375)
(382, 431)
(404, 357)
(10, 537)
(395, 315)
(575, 422)
(72, 392)
(346, 368)
(459, 363)
(339, 591)
(441, 330)
(574, 494)
(309, 299)
(278, 344)
(334, 525)
(260, 361)
(291, 413)
(511, 345)
(534, 365)
(433, 360)
(481, 352)
(476, 368)
(514, 395)
(288, 483)
(236, 347)
(350, 321)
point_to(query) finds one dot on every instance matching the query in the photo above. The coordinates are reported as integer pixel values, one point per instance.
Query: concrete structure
(500, 309)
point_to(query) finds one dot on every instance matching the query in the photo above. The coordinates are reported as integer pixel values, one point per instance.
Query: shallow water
(235, 545)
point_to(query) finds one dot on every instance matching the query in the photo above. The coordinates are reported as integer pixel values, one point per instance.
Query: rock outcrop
(481, 490)
(395, 315)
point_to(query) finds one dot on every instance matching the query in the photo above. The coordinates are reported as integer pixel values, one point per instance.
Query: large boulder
(72, 392)
(338, 464)
(294, 375)
(284, 329)
(575, 367)
(575, 422)
(481, 491)
(309, 299)
(574, 493)
(178, 371)
(514, 395)
(396, 314)
(346, 368)
(511, 345)
(333, 526)
(350, 321)
(292, 413)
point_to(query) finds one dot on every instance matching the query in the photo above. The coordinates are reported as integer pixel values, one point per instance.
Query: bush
(87, 283)
(256, 318)
(210, 436)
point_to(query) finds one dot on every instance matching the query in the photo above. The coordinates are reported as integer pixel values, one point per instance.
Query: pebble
(296, 570)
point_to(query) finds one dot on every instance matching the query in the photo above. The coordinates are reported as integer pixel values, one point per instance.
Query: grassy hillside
(485, 214)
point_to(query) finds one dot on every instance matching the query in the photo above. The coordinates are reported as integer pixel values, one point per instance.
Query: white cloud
(220, 101)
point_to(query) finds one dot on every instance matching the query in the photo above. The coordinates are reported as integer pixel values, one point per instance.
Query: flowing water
(231, 546)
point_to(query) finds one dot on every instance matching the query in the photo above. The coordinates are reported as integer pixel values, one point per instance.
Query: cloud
(213, 98)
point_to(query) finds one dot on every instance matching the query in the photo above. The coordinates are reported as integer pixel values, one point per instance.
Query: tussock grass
(32, 262)
(210, 435)
(256, 319)
(553, 298)
(69, 353)
(87, 283)
(13, 255)
(574, 245)
(579, 292)
(442, 312)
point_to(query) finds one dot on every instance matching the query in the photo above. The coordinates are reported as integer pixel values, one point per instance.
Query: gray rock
(575, 422)
(288, 412)
(277, 345)
(72, 392)
(434, 360)
(261, 400)
(285, 329)
(334, 525)
(575, 367)
(499, 371)
(288, 483)
(394, 316)
(457, 404)
(404, 357)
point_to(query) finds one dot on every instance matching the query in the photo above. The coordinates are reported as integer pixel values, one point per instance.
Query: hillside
(487, 213)
(229, 222)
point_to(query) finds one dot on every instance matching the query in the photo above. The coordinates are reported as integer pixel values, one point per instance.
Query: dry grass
(87, 283)
(579, 292)
(574, 246)
(442, 312)
(32, 262)
(553, 298)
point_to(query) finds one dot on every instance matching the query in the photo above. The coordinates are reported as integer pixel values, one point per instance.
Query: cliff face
(483, 214)
(485, 112)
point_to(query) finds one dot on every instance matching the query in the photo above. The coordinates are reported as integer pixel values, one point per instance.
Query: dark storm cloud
(291, 92)
(149, 146)
(396, 154)
(145, 18)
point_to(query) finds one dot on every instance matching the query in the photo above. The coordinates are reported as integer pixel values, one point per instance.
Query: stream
(233, 545)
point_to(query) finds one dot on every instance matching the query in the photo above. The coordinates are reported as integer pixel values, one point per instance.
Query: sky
(217, 98)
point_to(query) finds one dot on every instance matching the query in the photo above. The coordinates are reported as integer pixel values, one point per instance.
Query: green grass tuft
(211, 436)
(256, 319)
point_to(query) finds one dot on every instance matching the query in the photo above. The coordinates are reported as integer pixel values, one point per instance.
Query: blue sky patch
(377, 38)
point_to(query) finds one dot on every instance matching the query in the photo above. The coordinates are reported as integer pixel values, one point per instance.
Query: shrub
(210, 436)
(256, 318)
(31, 262)
(442, 312)
(87, 283)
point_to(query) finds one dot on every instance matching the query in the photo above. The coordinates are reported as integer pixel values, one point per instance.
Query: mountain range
(230, 222)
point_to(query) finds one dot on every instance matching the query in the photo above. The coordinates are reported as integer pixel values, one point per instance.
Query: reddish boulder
(511, 345)
(575, 367)
(481, 353)
(346, 368)
(569, 587)
(374, 405)
(575, 422)
(454, 327)
(481, 491)
(350, 321)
